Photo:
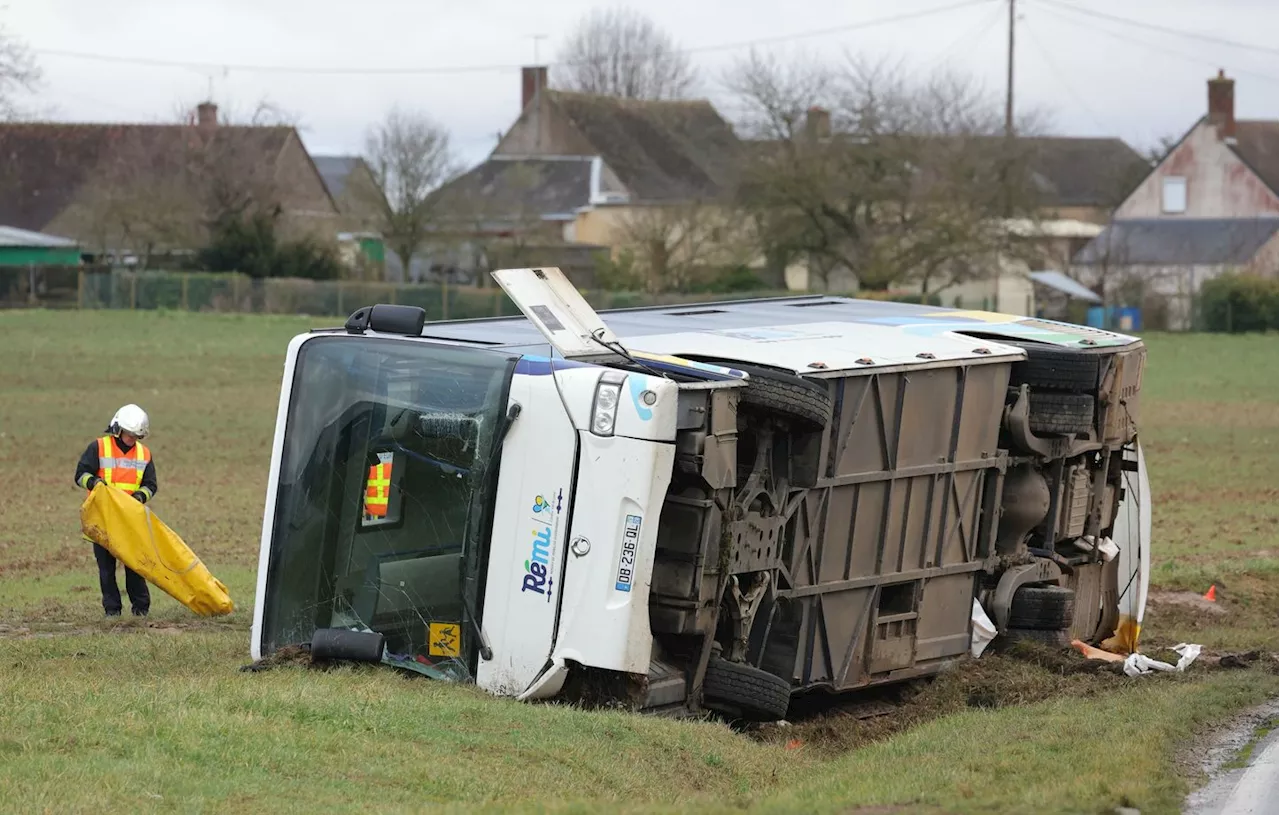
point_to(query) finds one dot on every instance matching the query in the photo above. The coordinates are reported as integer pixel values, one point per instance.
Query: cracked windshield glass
(385, 491)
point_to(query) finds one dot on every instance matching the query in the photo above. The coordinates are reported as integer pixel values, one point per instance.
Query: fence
(70, 288)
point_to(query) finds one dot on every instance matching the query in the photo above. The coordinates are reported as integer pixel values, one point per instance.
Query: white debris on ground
(984, 631)
(1140, 664)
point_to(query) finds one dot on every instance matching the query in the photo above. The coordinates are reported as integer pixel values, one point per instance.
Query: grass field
(157, 717)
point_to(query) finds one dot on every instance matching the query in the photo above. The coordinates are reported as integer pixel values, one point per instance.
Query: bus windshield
(385, 494)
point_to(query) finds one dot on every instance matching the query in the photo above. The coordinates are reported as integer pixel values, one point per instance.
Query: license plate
(627, 562)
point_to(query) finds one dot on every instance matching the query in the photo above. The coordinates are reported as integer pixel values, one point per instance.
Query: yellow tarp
(116, 521)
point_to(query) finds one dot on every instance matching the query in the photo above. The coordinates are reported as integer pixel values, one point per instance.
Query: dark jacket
(88, 467)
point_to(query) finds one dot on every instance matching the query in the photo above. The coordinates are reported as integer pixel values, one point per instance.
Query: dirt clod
(1186, 599)
(1238, 660)
(1021, 673)
(294, 655)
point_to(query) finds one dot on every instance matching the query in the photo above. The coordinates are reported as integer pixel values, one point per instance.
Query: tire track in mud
(1022, 673)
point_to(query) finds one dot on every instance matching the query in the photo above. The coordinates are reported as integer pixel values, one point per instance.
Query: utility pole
(1005, 180)
(1008, 100)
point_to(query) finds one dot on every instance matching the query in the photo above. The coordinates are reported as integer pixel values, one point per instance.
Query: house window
(1173, 198)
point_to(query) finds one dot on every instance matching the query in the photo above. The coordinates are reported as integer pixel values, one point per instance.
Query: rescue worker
(121, 461)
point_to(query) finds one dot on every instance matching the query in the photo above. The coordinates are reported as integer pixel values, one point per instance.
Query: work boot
(113, 614)
(138, 613)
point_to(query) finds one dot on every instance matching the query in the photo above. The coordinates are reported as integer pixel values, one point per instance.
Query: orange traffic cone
(1212, 594)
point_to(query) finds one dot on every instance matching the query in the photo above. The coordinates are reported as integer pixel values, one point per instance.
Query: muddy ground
(1021, 674)
(1007, 674)
(1018, 674)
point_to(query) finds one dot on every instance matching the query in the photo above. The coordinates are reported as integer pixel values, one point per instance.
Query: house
(1208, 207)
(354, 190)
(1018, 286)
(1077, 183)
(657, 179)
(361, 208)
(134, 190)
(1065, 189)
(578, 169)
(1080, 179)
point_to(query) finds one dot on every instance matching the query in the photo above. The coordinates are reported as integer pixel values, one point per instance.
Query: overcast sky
(1096, 76)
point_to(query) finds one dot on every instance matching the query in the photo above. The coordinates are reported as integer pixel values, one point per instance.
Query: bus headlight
(604, 409)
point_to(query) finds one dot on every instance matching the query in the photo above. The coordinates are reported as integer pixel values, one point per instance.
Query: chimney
(817, 124)
(206, 115)
(532, 80)
(1222, 106)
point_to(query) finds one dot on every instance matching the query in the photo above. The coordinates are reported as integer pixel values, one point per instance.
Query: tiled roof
(660, 150)
(43, 166)
(1178, 242)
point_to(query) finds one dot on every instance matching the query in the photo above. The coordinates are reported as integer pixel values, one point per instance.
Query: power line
(471, 69)
(1062, 78)
(844, 29)
(1129, 40)
(973, 35)
(1194, 35)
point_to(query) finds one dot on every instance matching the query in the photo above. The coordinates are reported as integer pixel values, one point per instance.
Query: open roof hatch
(574, 329)
(552, 304)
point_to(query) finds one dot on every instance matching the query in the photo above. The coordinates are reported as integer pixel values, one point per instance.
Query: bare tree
(237, 177)
(864, 168)
(141, 201)
(620, 52)
(410, 157)
(160, 189)
(675, 247)
(18, 73)
(1155, 153)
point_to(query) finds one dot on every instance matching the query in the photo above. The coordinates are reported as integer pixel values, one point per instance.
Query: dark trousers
(139, 594)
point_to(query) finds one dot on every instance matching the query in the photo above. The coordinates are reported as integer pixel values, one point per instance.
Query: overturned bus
(716, 506)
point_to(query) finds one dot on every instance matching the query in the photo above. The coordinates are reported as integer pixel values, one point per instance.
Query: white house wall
(1219, 184)
(1008, 293)
(1267, 261)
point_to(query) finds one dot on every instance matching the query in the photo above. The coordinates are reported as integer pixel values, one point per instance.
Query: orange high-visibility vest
(119, 469)
(377, 492)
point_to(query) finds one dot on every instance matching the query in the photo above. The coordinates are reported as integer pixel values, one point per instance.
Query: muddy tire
(1056, 638)
(1061, 414)
(1057, 369)
(753, 694)
(1048, 608)
(781, 393)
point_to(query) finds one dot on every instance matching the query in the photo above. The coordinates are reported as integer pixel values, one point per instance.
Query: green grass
(1260, 732)
(1055, 756)
(158, 717)
(1209, 429)
(169, 723)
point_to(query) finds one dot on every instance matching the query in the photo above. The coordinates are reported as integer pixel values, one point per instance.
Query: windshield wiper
(513, 412)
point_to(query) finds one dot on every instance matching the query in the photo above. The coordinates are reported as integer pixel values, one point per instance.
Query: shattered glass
(356, 547)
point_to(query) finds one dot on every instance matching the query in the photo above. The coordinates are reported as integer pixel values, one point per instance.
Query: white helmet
(130, 419)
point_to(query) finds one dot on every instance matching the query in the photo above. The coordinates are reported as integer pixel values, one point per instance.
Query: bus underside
(832, 533)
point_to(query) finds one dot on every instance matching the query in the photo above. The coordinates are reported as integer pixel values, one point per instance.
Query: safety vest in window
(120, 469)
(377, 492)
